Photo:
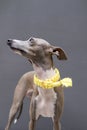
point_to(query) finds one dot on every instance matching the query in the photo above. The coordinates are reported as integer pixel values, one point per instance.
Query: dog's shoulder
(27, 77)
(29, 74)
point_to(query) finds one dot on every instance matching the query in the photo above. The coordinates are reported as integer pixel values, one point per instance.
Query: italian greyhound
(43, 102)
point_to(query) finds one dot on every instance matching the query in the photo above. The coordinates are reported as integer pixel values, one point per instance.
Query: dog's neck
(43, 73)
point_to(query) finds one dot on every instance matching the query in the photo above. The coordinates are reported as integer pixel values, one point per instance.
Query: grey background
(62, 23)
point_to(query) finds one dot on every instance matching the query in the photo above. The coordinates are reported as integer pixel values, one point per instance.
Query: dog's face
(36, 49)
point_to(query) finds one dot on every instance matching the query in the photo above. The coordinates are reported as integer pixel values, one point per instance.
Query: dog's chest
(45, 103)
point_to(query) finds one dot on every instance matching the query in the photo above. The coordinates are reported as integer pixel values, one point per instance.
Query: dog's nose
(9, 42)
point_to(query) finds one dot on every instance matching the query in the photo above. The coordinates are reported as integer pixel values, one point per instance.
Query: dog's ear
(59, 52)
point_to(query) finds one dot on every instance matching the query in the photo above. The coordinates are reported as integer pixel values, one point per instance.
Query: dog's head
(36, 49)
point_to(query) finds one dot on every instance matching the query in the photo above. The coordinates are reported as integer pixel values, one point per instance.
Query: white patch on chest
(45, 102)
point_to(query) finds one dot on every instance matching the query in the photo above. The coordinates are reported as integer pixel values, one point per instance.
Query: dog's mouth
(18, 51)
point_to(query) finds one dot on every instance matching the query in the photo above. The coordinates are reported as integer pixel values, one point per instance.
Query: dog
(43, 102)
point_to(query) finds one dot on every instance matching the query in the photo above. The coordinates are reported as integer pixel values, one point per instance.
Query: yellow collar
(53, 82)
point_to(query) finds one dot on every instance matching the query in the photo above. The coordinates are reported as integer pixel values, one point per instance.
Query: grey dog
(43, 102)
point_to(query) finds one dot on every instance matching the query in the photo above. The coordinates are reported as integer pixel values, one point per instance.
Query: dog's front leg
(32, 112)
(58, 108)
(12, 113)
(56, 119)
(32, 115)
(56, 124)
(19, 94)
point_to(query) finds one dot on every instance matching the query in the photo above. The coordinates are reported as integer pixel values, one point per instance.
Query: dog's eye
(31, 39)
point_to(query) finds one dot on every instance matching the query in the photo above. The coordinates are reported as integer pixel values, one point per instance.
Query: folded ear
(59, 52)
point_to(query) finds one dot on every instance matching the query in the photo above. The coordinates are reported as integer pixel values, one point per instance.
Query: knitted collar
(53, 82)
